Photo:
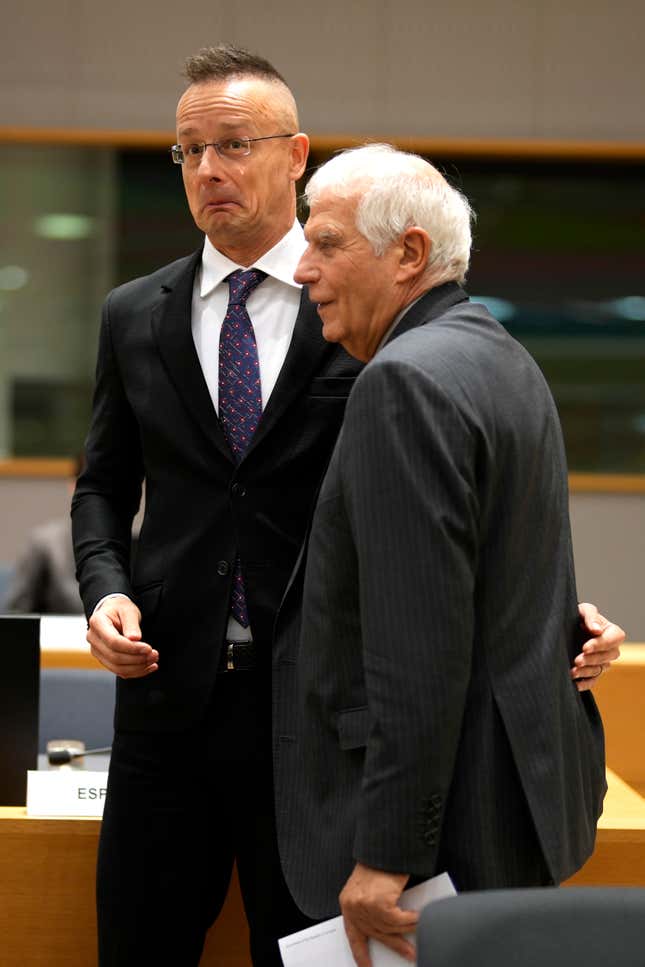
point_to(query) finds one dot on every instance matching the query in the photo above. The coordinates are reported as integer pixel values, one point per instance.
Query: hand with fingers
(369, 904)
(599, 651)
(114, 636)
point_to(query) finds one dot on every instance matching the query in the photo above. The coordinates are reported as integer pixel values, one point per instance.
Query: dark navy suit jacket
(153, 419)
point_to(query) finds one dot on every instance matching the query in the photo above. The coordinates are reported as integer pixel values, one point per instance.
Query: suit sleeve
(408, 460)
(108, 492)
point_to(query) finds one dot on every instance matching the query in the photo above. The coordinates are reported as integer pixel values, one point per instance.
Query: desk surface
(63, 643)
(47, 912)
(47, 916)
(624, 807)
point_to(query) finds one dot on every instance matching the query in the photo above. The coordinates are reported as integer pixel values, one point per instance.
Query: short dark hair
(226, 61)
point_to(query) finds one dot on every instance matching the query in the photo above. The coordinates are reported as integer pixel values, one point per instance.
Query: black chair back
(550, 927)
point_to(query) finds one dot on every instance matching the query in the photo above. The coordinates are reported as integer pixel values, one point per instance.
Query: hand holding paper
(327, 943)
(369, 903)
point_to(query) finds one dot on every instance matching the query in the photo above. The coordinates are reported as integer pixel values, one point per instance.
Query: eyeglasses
(229, 148)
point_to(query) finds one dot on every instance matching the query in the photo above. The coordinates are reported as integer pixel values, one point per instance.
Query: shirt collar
(279, 262)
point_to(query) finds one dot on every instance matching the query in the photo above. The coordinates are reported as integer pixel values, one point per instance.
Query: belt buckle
(230, 658)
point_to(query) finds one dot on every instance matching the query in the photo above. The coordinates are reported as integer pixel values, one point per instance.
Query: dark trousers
(180, 809)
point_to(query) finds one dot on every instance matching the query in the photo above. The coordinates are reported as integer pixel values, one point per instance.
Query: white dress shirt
(272, 308)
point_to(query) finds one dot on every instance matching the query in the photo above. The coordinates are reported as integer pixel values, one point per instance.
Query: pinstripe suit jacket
(429, 722)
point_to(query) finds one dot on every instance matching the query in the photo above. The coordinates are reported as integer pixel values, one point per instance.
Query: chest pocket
(331, 387)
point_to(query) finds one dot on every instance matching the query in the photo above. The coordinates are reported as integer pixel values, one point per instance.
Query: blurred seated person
(44, 579)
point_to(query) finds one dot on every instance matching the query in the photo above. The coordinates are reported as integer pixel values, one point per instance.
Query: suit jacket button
(223, 568)
(238, 490)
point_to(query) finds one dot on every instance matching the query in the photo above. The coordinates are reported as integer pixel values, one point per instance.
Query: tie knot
(242, 283)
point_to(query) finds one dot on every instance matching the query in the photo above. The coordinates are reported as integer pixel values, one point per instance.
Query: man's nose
(210, 163)
(305, 272)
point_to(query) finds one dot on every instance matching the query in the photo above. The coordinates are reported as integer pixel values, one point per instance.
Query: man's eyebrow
(326, 234)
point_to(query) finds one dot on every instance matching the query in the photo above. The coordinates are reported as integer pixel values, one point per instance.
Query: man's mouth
(220, 204)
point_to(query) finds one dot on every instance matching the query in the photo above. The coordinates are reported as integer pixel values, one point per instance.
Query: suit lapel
(172, 330)
(171, 325)
(306, 352)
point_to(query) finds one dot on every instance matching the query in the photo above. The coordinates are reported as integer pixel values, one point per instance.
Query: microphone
(61, 755)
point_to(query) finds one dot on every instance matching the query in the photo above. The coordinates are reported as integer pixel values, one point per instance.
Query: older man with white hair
(438, 727)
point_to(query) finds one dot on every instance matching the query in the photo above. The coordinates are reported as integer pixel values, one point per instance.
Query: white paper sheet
(326, 944)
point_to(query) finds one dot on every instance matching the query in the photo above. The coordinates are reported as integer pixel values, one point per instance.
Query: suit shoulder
(464, 356)
(463, 339)
(148, 287)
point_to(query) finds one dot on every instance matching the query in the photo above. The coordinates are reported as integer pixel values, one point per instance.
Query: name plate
(66, 792)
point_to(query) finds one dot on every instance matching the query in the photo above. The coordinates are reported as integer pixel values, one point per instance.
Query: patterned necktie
(240, 393)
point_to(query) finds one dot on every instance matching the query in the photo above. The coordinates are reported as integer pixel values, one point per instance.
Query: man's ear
(299, 146)
(415, 246)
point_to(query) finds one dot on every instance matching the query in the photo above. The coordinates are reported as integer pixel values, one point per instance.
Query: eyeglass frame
(176, 149)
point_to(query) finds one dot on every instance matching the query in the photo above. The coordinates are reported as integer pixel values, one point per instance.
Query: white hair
(395, 191)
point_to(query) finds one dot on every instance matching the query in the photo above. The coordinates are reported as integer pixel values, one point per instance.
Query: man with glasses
(231, 425)
(214, 384)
